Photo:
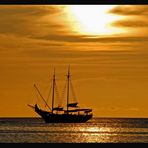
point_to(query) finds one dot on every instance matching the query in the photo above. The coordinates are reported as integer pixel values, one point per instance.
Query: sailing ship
(71, 114)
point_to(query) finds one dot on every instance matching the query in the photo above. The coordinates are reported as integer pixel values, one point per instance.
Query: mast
(41, 96)
(53, 90)
(68, 79)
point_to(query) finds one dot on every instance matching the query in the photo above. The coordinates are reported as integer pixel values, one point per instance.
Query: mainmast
(68, 79)
(53, 90)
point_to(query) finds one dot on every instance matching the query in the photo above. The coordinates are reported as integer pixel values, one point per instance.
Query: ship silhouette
(72, 113)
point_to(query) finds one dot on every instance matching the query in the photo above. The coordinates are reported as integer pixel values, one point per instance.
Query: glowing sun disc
(92, 19)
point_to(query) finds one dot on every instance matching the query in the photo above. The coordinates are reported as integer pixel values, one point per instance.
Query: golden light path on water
(93, 19)
(100, 134)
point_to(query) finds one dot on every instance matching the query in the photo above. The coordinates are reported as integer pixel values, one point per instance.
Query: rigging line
(37, 97)
(41, 96)
(73, 92)
(56, 89)
(45, 89)
(38, 100)
(57, 95)
(49, 82)
(49, 91)
(49, 94)
(64, 91)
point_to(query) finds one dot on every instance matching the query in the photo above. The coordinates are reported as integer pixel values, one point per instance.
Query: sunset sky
(106, 47)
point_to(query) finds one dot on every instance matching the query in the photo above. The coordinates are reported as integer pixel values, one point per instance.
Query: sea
(96, 130)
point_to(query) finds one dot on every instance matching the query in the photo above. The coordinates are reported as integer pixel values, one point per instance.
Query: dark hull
(62, 118)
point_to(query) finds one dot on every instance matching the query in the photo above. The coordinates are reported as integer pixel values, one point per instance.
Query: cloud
(83, 39)
(133, 109)
(135, 16)
(130, 10)
(43, 27)
(130, 23)
(30, 20)
(27, 10)
(47, 23)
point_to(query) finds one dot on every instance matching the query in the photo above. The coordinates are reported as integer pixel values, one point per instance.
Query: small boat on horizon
(72, 113)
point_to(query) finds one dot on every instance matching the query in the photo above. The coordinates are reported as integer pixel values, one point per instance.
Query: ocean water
(96, 130)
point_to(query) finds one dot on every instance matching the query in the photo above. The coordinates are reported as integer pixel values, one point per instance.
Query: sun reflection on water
(96, 134)
(96, 129)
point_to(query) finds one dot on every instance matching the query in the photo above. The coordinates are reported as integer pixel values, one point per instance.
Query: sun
(92, 19)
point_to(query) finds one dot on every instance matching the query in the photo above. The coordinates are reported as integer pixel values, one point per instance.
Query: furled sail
(73, 104)
(58, 108)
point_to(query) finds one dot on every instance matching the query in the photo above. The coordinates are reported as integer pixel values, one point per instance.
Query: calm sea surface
(97, 130)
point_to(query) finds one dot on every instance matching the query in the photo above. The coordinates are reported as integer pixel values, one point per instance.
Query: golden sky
(105, 45)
